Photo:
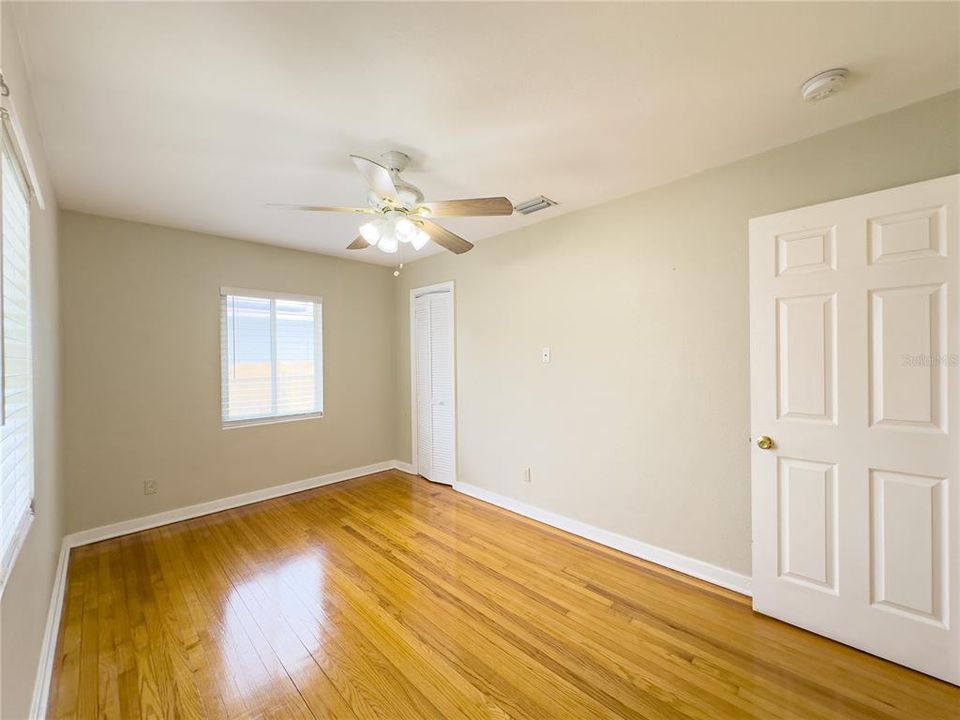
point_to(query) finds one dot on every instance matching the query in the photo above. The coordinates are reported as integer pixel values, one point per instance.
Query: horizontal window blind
(272, 356)
(16, 435)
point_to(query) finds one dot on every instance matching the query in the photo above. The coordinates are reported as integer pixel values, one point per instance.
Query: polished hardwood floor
(389, 597)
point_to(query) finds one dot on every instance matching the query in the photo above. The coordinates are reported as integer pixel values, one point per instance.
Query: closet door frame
(447, 286)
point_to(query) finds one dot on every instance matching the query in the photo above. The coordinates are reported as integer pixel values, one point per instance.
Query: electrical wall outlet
(526, 474)
(149, 487)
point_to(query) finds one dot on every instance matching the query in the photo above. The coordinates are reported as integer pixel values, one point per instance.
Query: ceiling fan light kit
(402, 216)
(394, 228)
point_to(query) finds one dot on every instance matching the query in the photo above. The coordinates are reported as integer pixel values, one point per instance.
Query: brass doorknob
(764, 442)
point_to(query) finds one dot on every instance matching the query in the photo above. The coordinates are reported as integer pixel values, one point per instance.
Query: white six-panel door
(854, 377)
(434, 385)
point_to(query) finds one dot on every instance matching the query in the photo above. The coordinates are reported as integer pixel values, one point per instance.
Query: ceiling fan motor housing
(409, 194)
(396, 161)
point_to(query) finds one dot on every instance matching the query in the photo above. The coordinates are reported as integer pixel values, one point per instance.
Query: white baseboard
(728, 579)
(48, 647)
(404, 466)
(105, 532)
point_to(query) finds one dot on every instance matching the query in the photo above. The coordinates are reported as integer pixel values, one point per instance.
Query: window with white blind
(271, 355)
(16, 435)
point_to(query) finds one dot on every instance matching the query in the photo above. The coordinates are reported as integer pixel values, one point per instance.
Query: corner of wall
(28, 608)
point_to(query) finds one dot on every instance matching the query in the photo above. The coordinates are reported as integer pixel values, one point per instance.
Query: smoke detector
(824, 85)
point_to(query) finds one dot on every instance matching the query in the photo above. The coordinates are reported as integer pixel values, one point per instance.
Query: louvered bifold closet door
(441, 387)
(424, 417)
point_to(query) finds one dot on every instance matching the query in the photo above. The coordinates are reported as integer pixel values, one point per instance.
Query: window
(272, 356)
(16, 435)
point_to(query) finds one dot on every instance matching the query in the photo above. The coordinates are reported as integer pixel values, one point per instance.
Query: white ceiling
(194, 115)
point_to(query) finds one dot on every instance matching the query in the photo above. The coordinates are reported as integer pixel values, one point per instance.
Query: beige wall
(26, 597)
(640, 425)
(142, 368)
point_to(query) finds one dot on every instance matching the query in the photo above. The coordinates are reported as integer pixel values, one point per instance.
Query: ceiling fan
(400, 213)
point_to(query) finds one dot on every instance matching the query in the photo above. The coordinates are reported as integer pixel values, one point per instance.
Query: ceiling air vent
(534, 205)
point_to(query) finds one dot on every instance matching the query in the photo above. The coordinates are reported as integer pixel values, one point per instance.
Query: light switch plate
(546, 355)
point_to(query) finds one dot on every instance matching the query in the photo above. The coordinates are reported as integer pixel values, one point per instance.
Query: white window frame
(12, 143)
(318, 355)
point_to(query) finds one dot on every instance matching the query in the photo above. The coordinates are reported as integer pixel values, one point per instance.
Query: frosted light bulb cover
(419, 240)
(388, 243)
(405, 230)
(370, 233)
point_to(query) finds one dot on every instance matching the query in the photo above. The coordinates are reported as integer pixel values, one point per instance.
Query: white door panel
(904, 321)
(909, 547)
(807, 517)
(854, 374)
(806, 358)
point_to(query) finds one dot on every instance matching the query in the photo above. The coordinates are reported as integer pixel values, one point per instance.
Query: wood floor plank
(564, 659)
(388, 597)
(108, 692)
(89, 655)
(476, 633)
(357, 668)
(65, 680)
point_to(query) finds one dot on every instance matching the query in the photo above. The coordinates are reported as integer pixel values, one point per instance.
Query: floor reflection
(280, 606)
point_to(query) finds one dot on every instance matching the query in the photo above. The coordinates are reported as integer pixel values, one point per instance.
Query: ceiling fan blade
(377, 177)
(471, 207)
(358, 244)
(446, 239)
(322, 208)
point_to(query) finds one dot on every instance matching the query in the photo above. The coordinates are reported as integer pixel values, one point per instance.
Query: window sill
(253, 422)
(18, 541)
